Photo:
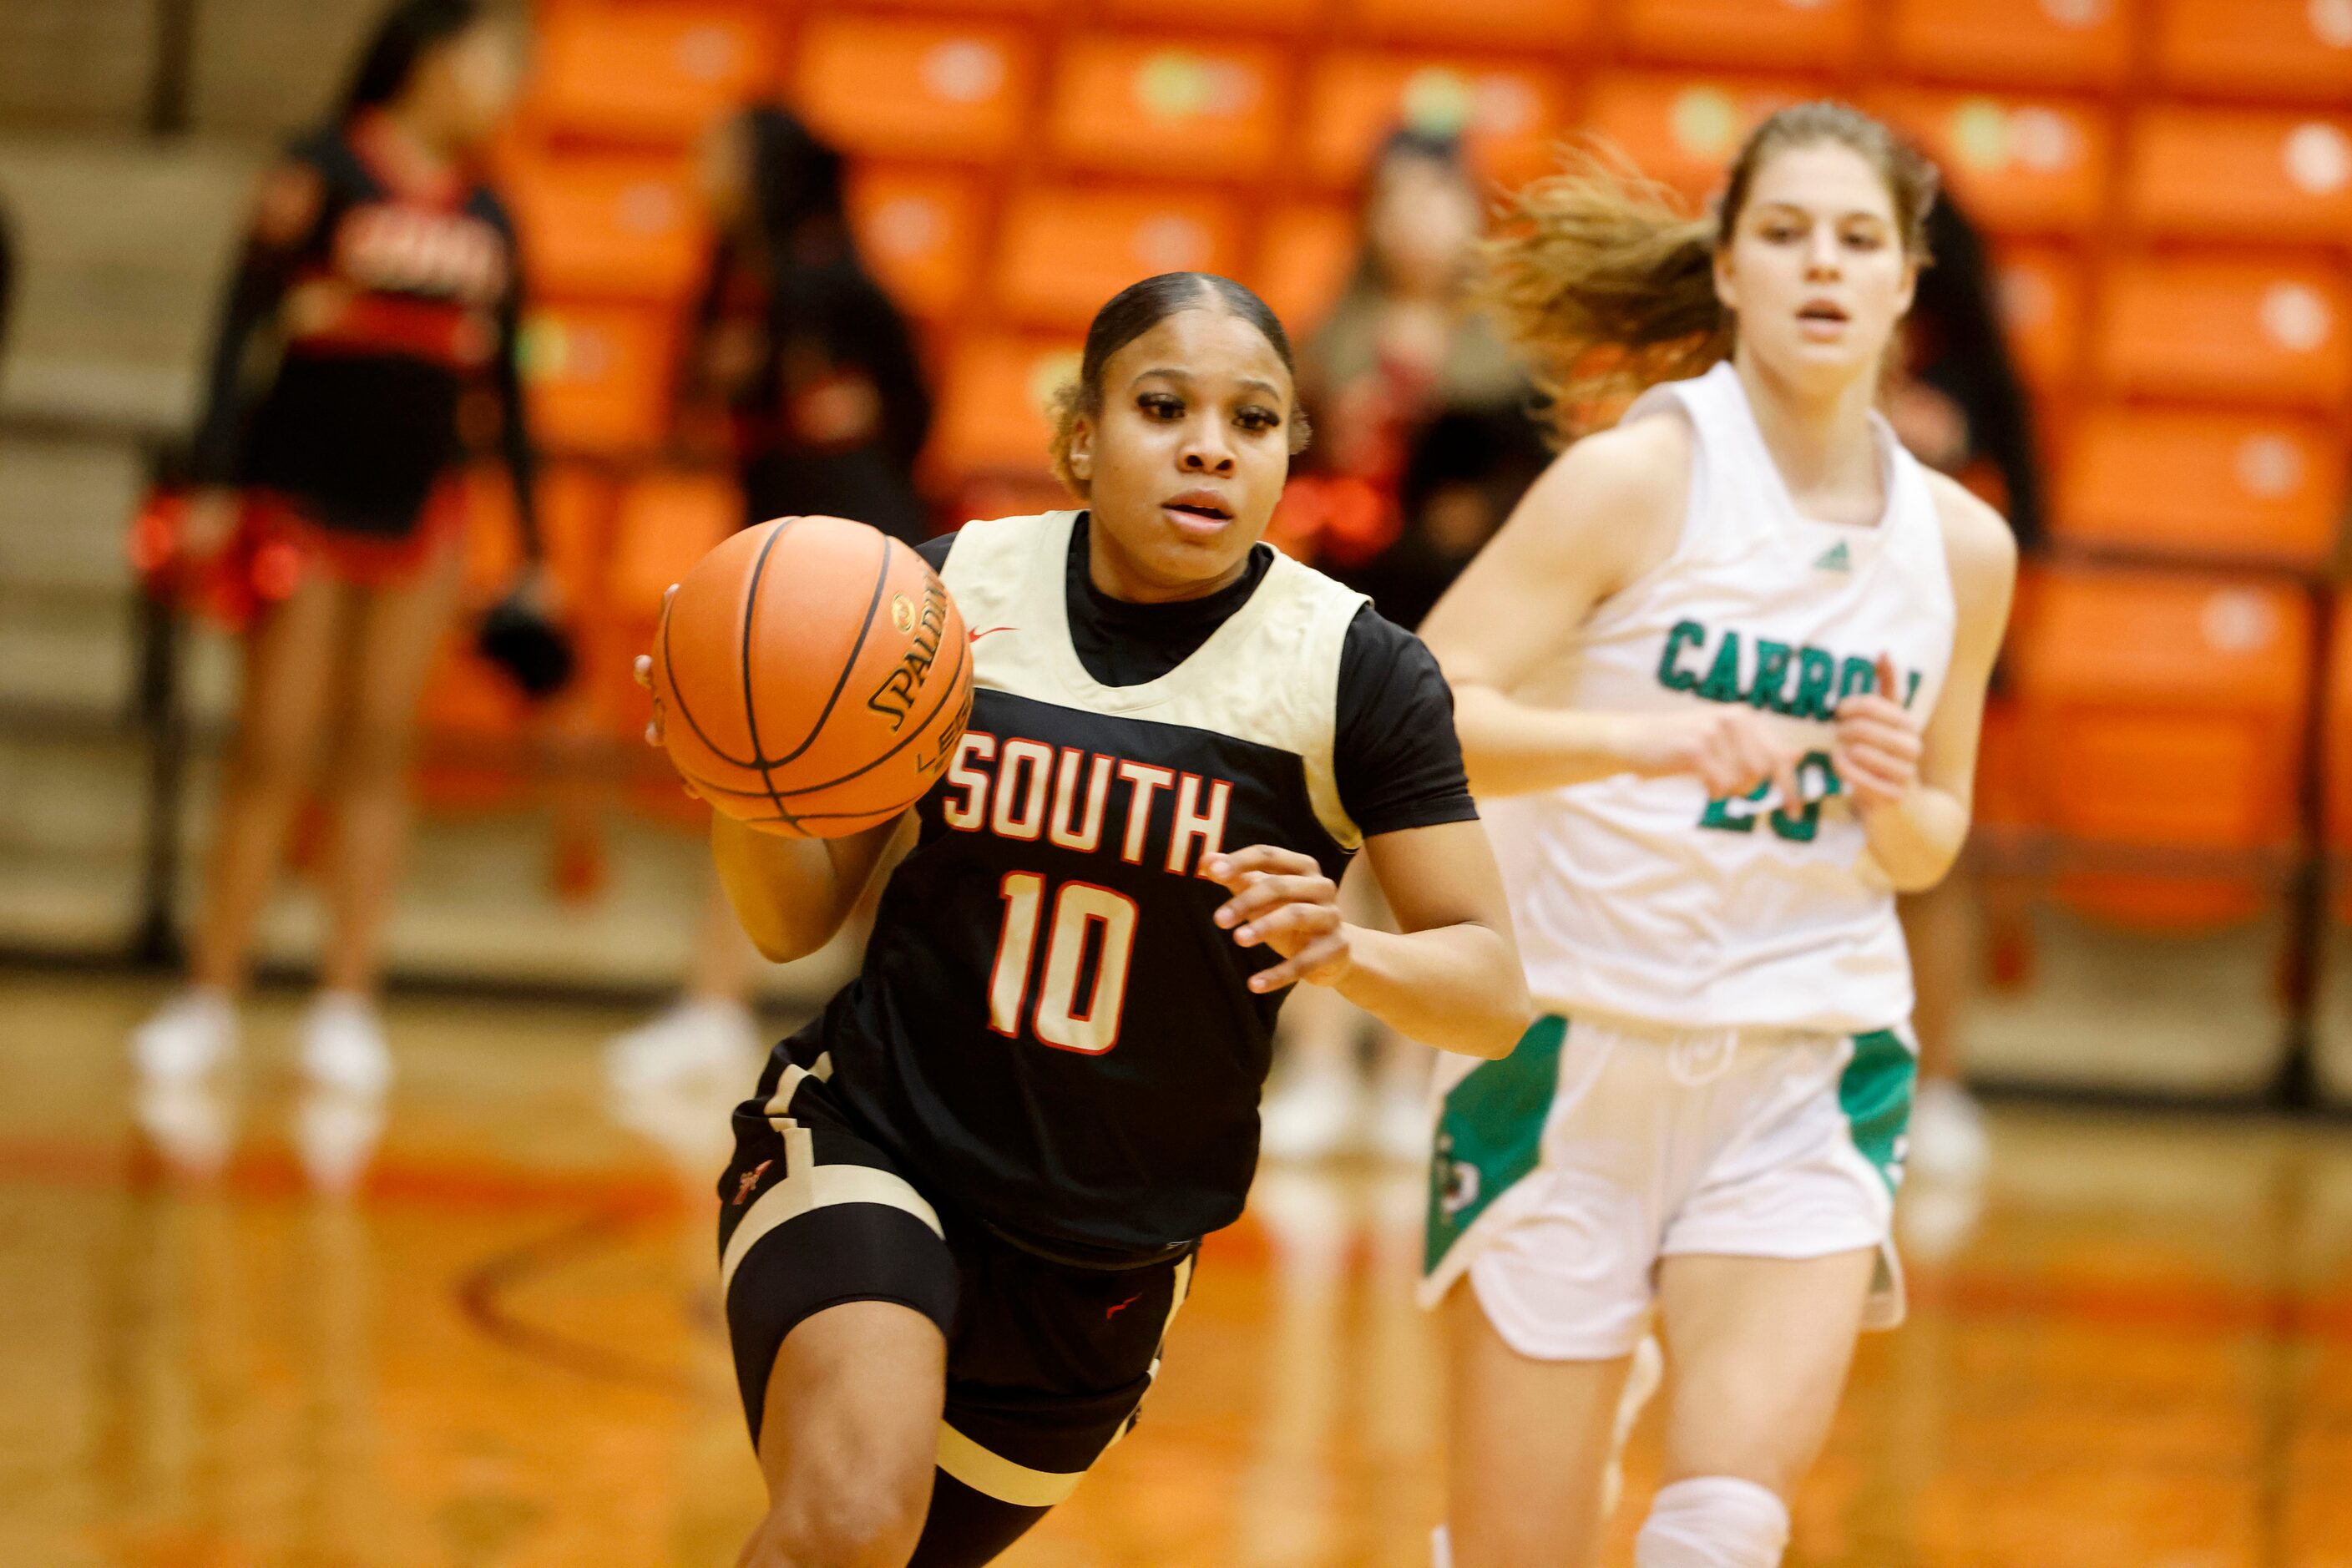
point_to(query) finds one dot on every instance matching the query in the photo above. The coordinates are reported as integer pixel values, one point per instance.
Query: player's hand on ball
(1283, 900)
(1732, 750)
(1878, 745)
(643, 670)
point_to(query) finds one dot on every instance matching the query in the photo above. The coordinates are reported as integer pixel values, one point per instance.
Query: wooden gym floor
(238, 1331)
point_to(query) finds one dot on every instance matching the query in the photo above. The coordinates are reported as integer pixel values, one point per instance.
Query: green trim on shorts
(1875, 1092)
(1490, 1134)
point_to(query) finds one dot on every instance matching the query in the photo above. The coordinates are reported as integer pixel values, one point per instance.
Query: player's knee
(1713, 1521)
(372, 755)
(851, 1522)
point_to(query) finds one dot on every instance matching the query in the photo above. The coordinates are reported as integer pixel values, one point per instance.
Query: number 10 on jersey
(1080, 911)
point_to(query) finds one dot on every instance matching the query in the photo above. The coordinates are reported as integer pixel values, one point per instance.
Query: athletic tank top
(1641, 900)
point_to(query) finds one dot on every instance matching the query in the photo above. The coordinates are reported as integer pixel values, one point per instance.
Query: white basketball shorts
(1564, 1172)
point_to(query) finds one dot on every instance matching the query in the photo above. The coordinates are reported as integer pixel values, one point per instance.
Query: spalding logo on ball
(813, 676)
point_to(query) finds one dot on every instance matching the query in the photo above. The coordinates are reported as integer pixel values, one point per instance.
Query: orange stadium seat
(665, 521)
(903, 88)
(920, 230)
(2337, 748)
(2013, 164)
(1489, 24)
(1248, 16)
(2164, 716)
(2241, 485)
(609, 227)
(2024, 43)
(659, 73)
(599, 376)
(2040, 298)
(993, 415)
(1064, 252)
(2298, 50)
(1304, 254)
(1683, 130)
(1508, 115)
(576, 505)
(1194, 112)
(1782, 35)
(2231, 174)
(2267, 332)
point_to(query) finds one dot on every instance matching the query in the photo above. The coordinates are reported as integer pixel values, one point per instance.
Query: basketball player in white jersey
(1719, 683)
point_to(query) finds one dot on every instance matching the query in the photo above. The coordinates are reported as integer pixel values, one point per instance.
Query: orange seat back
(655, 73)
(2240, 331)
(2242, 485)
(598, 376)
(610, 228)
(1683, 129)
(1245, 15)
(920, 230)
(2226, 174)
(2165, 712)
(1189, 109)
(1488, 24)
(903, 88)
(993, 410)
(665, 520)
(1797, 35)
(1064, 251)
(2022, 43)
(575, 515)
(2015, 164)
(2337, 746)
(2298, 50)
(1508, 116)
(1306, 253)
(2041, 300)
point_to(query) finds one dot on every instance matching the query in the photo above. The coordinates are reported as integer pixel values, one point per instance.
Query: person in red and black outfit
(804, 361)
(369, 341)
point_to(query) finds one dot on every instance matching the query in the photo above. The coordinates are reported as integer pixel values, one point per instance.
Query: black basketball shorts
(1047, 1363)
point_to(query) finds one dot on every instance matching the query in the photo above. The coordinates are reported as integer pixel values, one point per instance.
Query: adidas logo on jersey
(1834, 559)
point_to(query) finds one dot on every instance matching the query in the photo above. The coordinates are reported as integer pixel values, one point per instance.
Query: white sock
(1441, 1548)
(1713, 1521)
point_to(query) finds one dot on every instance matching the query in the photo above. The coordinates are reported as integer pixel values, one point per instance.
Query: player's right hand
(1731, 750)
(643, 670)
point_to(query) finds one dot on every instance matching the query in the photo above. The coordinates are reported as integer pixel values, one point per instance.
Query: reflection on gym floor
(474, 1325)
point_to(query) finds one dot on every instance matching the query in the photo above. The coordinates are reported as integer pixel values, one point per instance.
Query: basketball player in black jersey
(965, 1202)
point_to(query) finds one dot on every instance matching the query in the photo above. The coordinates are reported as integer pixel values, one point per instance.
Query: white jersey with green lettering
(1644, 900)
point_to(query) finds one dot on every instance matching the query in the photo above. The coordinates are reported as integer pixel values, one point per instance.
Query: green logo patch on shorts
(1875, 1092)
(1490, 1134)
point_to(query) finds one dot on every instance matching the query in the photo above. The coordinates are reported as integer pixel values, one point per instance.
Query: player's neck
(1821, 441)
(1116, 574)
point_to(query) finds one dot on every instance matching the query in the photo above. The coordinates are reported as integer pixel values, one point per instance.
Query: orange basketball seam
(751, 710)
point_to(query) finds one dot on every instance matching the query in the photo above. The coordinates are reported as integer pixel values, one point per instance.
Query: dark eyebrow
(1249, 384)
(1805, 212)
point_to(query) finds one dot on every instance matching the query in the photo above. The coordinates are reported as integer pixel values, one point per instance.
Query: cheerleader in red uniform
(369, 338)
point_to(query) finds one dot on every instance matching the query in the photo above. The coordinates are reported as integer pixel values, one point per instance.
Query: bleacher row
(2167, 186)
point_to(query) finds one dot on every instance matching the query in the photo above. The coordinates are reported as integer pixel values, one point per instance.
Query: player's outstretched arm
(1449, 977)
(792, 895)
(1608, 512)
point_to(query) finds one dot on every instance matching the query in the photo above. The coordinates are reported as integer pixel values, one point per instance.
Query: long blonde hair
(1606, 279)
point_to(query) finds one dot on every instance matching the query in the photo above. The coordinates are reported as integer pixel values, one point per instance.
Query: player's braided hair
(1135, 310)
(1608, 283)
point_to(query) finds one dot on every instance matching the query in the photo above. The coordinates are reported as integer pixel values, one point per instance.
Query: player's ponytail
(1607, 281)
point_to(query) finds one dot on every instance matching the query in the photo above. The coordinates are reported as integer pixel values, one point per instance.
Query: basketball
(813, 676)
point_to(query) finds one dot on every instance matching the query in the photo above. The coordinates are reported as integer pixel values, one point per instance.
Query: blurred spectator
(1422, 447)
(369, 329)
(1959, 407)
(803, 370)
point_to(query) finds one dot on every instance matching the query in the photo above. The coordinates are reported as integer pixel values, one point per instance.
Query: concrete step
(63, 505)
(67, 653)
(124, 249)
(84, 65)
(266, 68)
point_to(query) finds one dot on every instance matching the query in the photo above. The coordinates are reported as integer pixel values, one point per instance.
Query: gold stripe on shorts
(813, 1186)
(993, 1475)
